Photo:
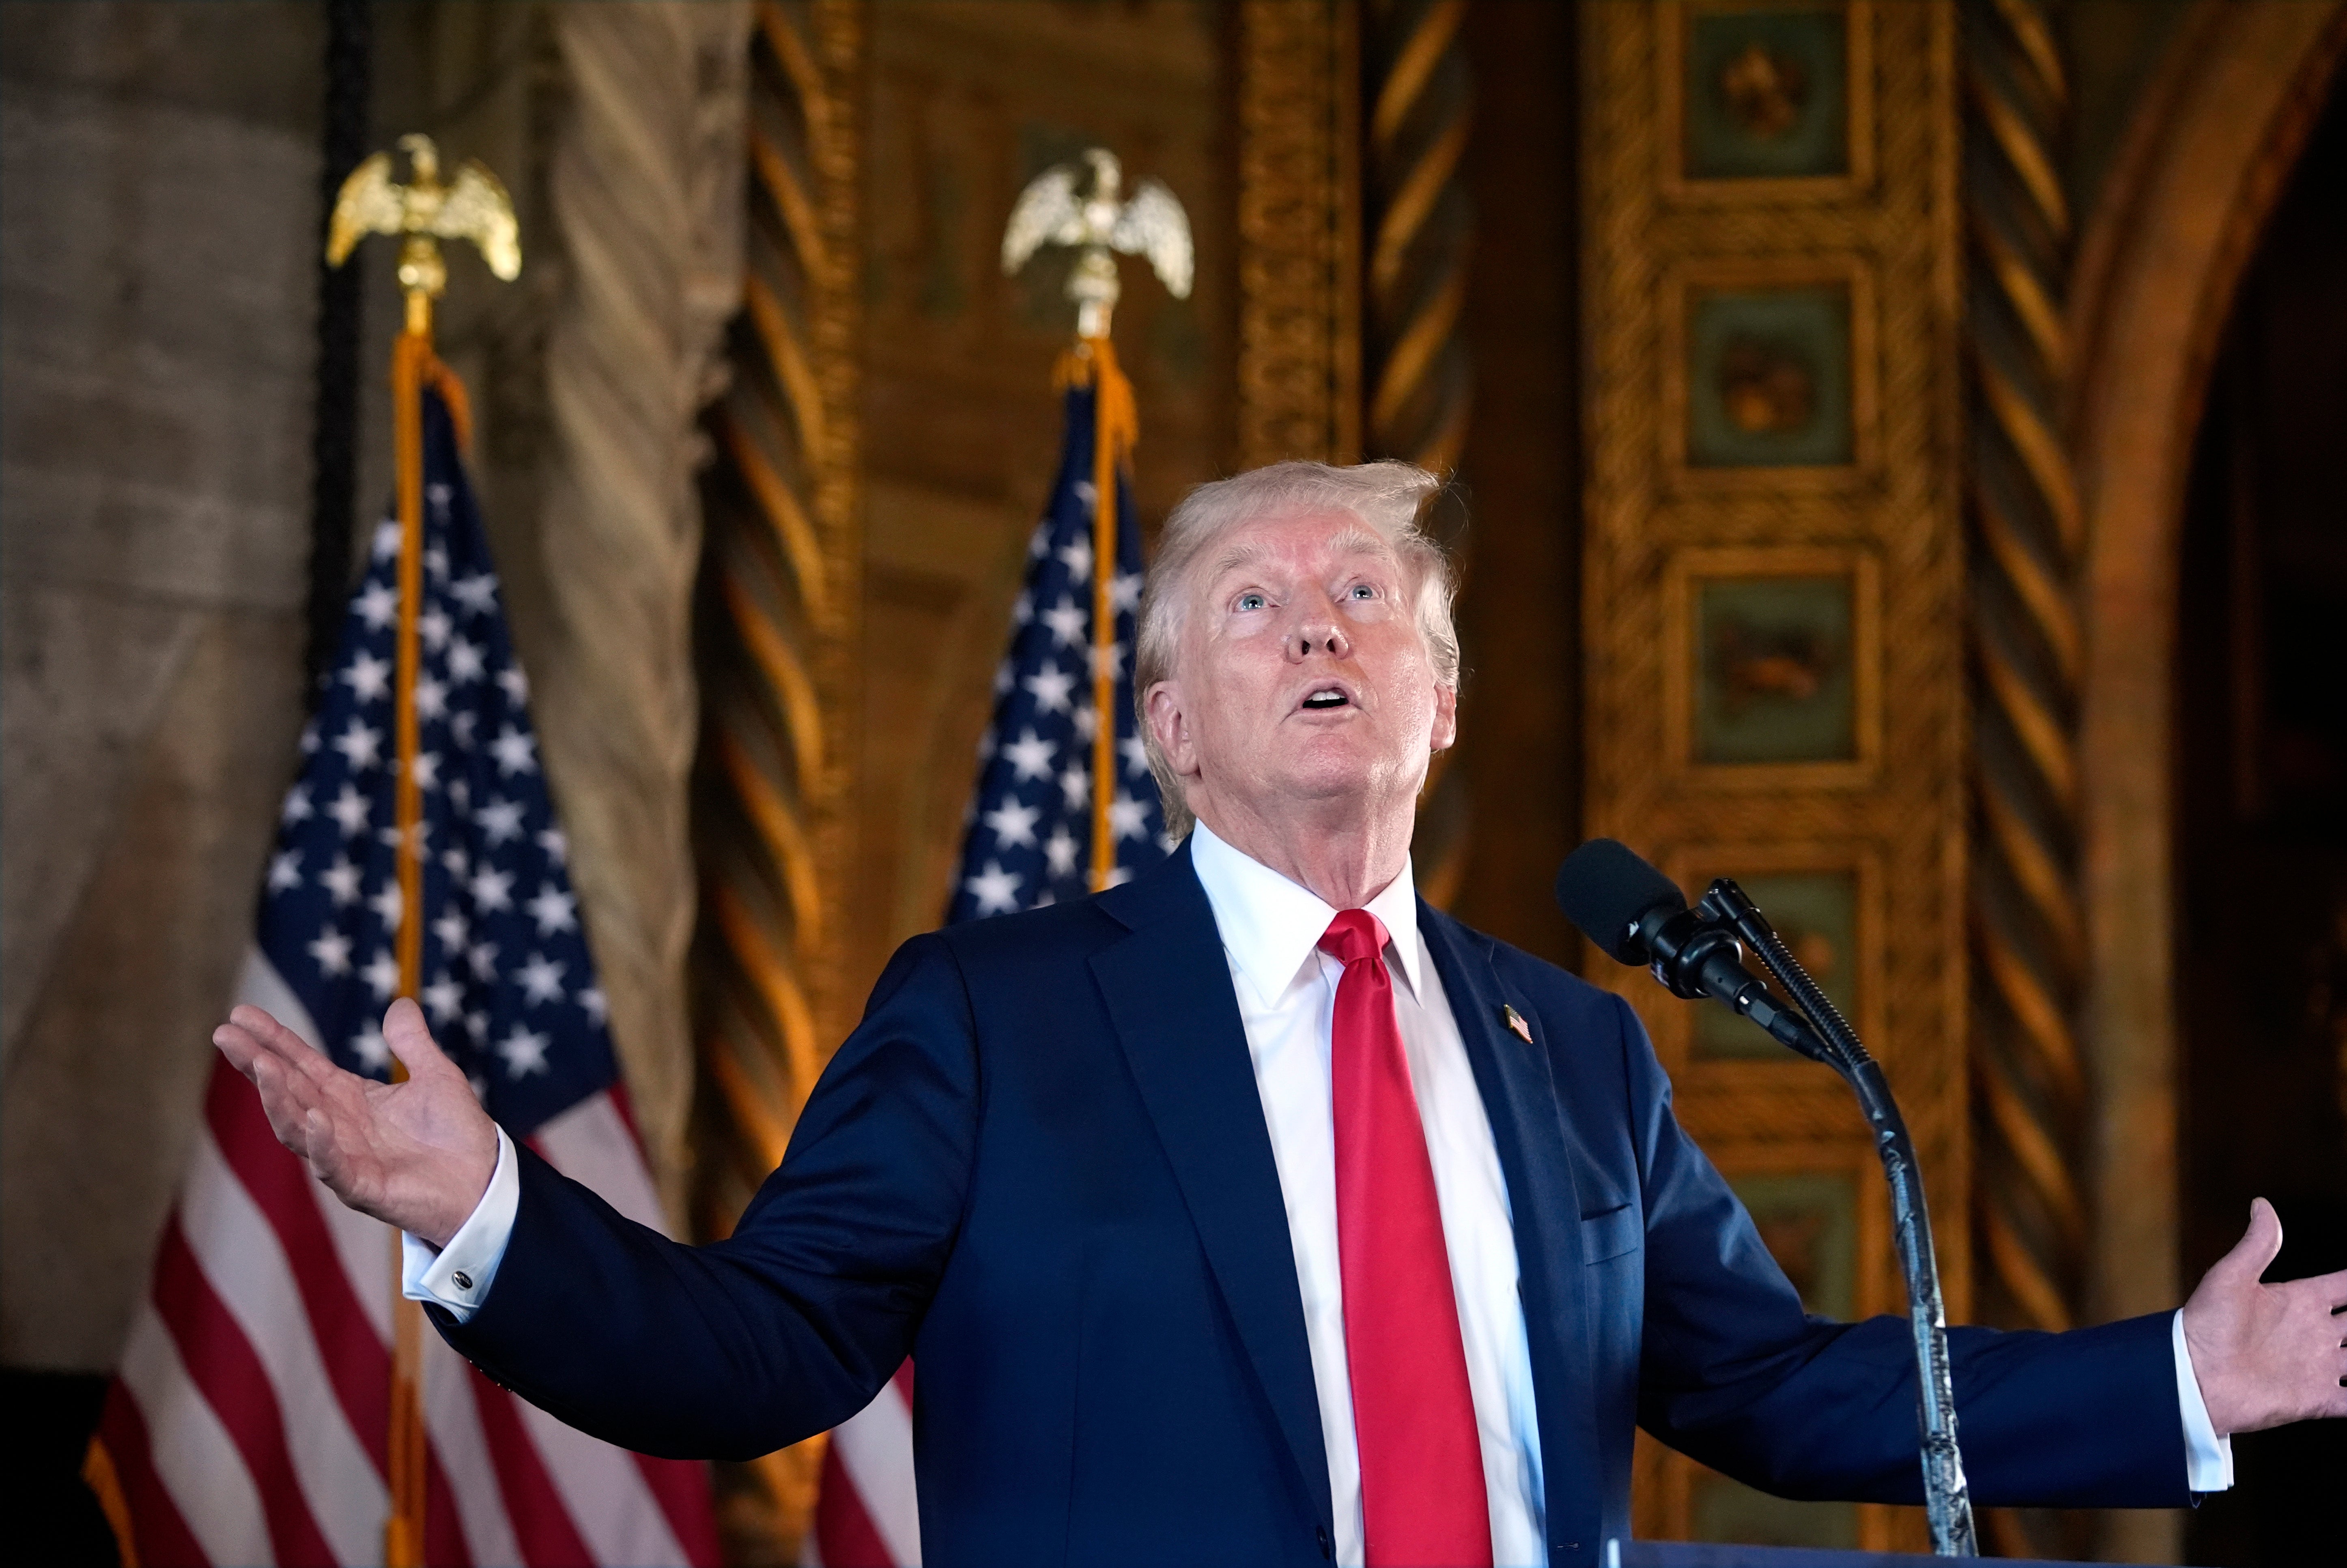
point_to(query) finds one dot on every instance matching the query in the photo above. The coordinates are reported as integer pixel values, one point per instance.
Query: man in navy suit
(1255, 1211)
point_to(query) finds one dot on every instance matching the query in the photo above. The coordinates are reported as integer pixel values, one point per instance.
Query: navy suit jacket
(1040, 1167)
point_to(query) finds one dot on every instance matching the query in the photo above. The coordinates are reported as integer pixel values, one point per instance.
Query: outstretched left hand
(2267, 1354)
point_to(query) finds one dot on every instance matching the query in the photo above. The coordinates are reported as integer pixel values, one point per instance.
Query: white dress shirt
(1287, 991)
(1287, 987)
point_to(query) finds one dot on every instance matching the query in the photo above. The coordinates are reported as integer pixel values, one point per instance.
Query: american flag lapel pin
(1515, 1021)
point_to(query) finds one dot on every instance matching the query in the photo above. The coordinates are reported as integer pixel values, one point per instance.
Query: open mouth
(1326, 698)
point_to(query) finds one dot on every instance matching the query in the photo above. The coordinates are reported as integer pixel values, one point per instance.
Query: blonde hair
(1389, 497)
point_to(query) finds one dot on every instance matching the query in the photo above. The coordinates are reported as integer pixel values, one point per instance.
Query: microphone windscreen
(1606, 888)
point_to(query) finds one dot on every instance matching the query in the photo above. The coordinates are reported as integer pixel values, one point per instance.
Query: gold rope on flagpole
(1116, 426)
(472, 206)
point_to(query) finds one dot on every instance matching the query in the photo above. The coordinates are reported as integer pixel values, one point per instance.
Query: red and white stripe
(866, 1515)
(248, 1423)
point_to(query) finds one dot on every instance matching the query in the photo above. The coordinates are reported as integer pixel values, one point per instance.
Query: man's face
(1301, 682)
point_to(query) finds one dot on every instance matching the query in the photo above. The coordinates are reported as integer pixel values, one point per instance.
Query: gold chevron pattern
(1422, 234)
(777, 629)
(2027, 927)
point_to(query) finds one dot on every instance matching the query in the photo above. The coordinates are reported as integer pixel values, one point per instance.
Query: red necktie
(1422, 1499)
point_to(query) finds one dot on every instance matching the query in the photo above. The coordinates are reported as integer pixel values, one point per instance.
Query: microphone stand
(1947, 1500)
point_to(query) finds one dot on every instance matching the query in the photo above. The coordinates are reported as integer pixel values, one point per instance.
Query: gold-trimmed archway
(2214, 143)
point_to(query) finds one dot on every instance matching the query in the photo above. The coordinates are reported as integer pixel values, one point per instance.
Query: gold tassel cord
(1116, 427)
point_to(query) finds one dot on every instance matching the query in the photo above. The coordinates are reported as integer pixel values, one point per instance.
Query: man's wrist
(457, 1276)
(2208, 1453)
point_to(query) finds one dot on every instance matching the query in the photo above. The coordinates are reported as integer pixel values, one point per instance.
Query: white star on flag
(553, 909)
(284, 870)
(376, 605)
(1067, 622)
(476, 594)
(382, 974)
(1060, 851)
(541, 980)
(445, 998)
(1013, 823)
(996, 890)
(516, 753)
(1031, 755)
(369, 678)
(500, 820)
(333, 951)
(492, 889)
(341, 880)
(372, 1050)
(524, 1052)
(1051, 686)
(361, 746)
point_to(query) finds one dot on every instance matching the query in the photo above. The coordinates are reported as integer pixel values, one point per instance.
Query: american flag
(1028, 844)
(1029, 841)
(248, 1420)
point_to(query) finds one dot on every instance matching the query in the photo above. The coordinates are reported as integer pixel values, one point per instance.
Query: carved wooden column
(780, 579)
(1299, 352)
(650, 232)
(2027, 528)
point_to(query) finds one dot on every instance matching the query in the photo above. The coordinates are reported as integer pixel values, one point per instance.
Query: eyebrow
(1355, 541)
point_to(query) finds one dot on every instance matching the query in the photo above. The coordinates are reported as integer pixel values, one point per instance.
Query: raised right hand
(417, 1156)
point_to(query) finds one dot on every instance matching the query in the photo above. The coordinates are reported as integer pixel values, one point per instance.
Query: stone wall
(157, 299)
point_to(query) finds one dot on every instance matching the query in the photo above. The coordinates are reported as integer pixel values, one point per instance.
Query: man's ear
(1171, 727)
(1446, 718)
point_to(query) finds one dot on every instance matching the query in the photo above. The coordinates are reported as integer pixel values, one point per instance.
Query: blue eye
(1363, 591)
(1251, 601)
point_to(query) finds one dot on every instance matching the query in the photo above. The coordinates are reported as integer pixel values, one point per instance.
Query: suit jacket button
(1321, 1534)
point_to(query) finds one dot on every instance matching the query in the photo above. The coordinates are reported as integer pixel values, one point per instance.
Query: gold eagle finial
(1051, 212)
(424, 212)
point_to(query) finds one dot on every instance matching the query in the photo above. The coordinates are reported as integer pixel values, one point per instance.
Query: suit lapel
(1168, 990)
(1534, 1146)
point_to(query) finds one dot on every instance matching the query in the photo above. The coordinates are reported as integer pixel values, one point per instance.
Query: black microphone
(1639, 916)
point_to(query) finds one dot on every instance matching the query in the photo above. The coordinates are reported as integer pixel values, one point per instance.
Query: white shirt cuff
(2207, 1457)
(459, 1276)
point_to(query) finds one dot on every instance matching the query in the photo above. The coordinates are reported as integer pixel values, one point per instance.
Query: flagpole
(420, 212)
(1115, 424)
(411, 361)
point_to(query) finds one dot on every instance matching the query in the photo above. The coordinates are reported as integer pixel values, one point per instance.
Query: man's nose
(1317, 634)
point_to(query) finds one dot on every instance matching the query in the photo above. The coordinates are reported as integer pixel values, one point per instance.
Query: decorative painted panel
(1773, 599)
